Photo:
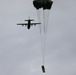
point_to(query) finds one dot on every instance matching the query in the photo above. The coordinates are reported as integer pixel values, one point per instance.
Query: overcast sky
(20, 49)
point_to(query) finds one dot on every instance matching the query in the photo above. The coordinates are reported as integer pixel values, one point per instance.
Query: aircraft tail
(30, 20)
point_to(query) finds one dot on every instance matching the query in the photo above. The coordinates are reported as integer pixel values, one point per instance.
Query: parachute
(43, 7)
(45, 4)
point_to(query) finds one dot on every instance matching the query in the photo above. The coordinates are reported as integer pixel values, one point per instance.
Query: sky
(20, 48)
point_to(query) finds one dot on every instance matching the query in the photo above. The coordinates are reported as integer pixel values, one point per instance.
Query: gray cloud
(20, 49)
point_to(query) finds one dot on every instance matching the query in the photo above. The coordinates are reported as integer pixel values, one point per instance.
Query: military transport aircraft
(29, 24)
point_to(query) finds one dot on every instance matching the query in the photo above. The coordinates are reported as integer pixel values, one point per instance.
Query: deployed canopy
(45, 4)
(43, 8)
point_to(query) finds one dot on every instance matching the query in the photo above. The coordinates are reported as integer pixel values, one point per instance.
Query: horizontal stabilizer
(22, 24)
(29, 20)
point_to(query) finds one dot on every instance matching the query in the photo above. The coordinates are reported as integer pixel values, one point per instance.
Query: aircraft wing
(22, 24)
(35, 23)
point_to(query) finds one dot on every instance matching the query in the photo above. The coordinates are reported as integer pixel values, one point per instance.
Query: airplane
(29, 24)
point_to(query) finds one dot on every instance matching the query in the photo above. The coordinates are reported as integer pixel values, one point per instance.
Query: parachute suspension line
(44, 32)
(43, 38)
(46, 19)
(38, 15)
(43, 19)
(42, 46)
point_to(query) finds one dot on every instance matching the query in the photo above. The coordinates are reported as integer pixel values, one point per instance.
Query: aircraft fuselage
(29, 22)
